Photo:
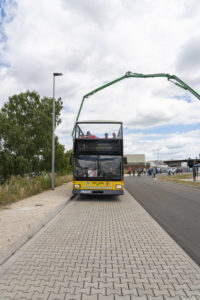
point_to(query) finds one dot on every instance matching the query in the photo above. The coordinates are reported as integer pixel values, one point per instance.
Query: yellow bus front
(98, 187)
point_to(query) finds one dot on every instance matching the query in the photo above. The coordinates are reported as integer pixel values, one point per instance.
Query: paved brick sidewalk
(16, 221)
(100, 249)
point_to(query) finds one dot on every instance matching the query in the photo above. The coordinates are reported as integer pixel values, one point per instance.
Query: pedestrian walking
(129, 171)
(154, 173)
(139, 172)
(194, 173)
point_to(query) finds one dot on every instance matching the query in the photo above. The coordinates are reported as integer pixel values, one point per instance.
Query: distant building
(135, 161)
(158, 164)
(179, 162)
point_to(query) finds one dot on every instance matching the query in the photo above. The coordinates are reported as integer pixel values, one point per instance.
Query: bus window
(109, 166)
(98, 166)
(86, 166)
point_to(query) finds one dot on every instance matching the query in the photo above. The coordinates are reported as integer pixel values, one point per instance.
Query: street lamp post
(53, 131)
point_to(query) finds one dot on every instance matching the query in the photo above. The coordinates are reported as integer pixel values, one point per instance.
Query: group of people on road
(137, 172)
(140, 171)
(152, 172)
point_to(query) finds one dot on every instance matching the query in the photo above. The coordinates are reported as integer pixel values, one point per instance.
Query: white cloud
(176, 145)
(93, 42)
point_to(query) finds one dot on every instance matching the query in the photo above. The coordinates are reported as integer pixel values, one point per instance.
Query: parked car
(175, 170)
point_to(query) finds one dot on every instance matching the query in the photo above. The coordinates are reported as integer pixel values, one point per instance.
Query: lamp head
(57, 74)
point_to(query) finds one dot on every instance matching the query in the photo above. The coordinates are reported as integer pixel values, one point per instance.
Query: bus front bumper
(98, 192)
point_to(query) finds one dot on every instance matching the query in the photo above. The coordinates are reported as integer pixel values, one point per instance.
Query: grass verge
(185, 179)
(19, 188)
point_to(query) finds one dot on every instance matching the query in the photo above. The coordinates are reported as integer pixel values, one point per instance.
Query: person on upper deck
(88, 135)
(106, 135)
(114, 135)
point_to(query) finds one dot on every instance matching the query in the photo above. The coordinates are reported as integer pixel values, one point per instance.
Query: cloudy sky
(94, 42)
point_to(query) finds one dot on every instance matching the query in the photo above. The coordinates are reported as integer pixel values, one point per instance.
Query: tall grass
(21, 187)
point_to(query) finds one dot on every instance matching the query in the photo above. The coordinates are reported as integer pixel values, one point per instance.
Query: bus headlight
(77, 186)
(118, 186)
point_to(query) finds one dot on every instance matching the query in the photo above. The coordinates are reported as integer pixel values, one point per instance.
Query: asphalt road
(176, 208)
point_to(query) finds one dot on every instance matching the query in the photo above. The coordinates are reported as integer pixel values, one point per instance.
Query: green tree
(26, 135)
(67, 159)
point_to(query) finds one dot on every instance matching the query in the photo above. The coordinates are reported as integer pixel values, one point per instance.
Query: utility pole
(53, 133)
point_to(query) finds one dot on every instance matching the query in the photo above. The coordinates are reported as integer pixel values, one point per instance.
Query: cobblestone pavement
(16, 221)
(100, 248)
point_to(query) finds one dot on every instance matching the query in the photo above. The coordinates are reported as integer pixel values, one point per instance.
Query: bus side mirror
(125, 160)
(71, 159)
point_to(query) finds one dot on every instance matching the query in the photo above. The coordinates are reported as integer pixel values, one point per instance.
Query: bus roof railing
(98, 122)
(77, 126)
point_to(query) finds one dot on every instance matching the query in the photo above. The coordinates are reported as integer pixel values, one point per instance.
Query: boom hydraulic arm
(173, 78)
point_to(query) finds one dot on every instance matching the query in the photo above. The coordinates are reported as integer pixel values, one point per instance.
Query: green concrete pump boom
(173, 78)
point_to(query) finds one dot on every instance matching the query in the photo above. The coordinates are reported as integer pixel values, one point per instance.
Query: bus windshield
(100, 166)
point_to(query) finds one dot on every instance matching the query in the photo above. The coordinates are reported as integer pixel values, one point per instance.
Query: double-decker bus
(98, 158)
